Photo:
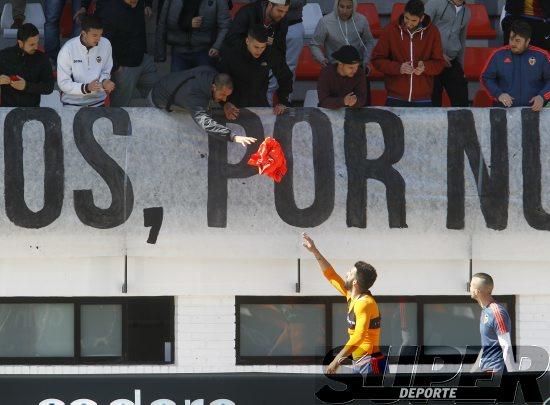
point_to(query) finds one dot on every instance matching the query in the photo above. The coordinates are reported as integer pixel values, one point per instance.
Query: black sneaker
(17, 23)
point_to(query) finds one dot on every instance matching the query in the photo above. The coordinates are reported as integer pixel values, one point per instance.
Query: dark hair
(415, 7)
(486, 280)
(27, 31)
(258, 32)
(223, 80)
(521, 28)
(365, 276)
(90, 22)
(287, 3)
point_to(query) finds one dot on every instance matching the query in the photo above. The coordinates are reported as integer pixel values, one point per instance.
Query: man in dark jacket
(197, 91)
(534, 12)
(518, 75)
(270, 13)
(343, 84)
(410, 55)
(132, 66)
(25, 72)
(249, 64)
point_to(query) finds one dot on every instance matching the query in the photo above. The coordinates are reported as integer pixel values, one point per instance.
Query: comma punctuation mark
(152, 217)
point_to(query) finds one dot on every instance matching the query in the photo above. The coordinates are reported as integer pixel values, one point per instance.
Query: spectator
(195, 90)
(451, 17)
(271, 14)
(536, 13)
(518, 75)
(133, 67)
(102, 8)
(410, 55)
(18, 13)
(343, 26)
(343, 84)
(195, 29)
(25, 72)
(84, 67)
(53, 10)
(249, 65)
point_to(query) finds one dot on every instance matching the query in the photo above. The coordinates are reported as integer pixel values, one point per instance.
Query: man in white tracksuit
(84, 67)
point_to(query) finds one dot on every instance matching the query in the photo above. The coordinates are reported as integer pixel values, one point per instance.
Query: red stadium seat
(482, 99)
(478, 28)
(396, 11)
(308, 68)
(371, 13)
(378, 97)
(236, 7)
(475, 60)
(66, 20)
(480, 24)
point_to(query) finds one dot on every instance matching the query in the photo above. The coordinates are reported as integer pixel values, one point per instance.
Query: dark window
(114, 330)
(301, 330)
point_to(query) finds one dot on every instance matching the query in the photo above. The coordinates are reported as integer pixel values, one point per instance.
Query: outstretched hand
(308, 243)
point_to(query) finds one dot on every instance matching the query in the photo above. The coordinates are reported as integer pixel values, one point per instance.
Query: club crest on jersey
(485, 318)
(532, 61)
(98, 59)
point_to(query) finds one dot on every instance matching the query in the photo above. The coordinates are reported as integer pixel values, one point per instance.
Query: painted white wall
(205, 339)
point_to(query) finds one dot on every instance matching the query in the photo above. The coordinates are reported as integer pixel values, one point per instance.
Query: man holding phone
(343, 84)
(25, 72)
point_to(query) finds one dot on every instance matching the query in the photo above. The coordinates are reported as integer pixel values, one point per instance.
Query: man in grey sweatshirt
(451, 17)
(344, 26)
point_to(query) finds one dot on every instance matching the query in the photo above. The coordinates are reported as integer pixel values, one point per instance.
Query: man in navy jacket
(518, 75)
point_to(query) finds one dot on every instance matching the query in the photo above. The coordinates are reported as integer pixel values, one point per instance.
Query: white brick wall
(205, 339)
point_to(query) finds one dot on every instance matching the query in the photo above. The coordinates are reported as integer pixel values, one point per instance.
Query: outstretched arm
(324, 265)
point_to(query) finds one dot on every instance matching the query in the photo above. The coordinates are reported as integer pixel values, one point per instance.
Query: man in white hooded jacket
(84, 67)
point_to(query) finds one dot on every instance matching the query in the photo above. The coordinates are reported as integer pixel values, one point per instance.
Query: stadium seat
(482, 99)
(396, 11)
(311, 14)
(311, 99)
(371, 13)
(34, 14)
(308, 68)
(474, 61)
(378, 97)
(480, 24)
(236, 7)
(478, 28)
(52, 100)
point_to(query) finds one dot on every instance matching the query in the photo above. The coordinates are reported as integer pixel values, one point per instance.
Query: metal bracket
(125, 285)
(298, 284)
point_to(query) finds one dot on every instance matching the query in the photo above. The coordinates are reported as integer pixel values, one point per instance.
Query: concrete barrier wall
(407, 184)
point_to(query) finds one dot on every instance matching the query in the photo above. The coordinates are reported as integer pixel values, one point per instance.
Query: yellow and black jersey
(363, 318)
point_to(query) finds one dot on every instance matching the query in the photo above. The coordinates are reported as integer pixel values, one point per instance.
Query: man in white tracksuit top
(84, 67)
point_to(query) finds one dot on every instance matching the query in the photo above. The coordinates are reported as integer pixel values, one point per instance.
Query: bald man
(495, 327)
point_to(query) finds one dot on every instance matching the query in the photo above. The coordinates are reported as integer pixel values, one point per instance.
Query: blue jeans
(53, 10)
(188, 60)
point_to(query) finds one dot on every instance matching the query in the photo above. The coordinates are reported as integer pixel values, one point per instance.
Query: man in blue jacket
(518, 75)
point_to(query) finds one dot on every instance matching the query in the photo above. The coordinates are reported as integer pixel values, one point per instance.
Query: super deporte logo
(137, 401)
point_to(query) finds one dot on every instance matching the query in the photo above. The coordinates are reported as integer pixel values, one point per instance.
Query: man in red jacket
(410, 55)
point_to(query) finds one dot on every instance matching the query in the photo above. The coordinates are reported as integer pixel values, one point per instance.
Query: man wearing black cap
(343, 84)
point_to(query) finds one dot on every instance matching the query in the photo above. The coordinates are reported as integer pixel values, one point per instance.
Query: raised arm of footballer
(363, 316)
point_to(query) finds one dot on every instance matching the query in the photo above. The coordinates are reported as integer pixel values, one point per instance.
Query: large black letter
(535, 215)
(323, 169)
(117, 180)
(493, 190)
(360, 169)
(16, 208)
(219, 171)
